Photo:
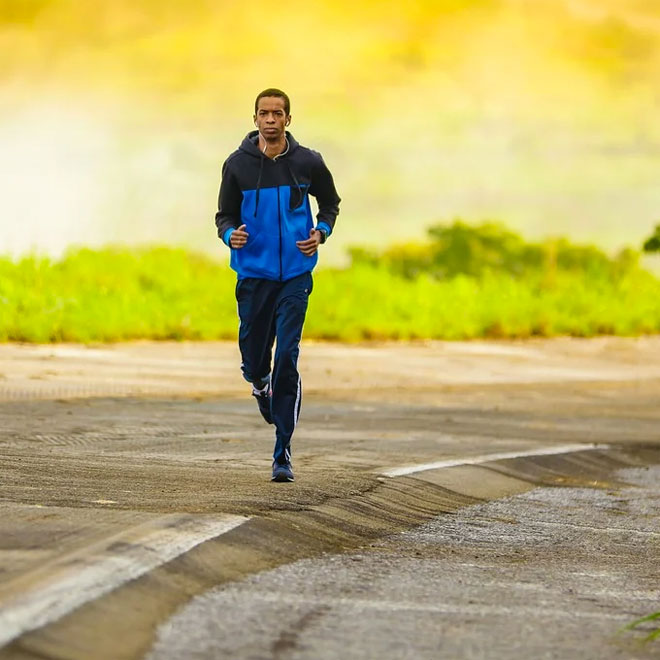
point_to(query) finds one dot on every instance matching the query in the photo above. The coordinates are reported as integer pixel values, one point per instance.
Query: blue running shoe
(282, 472)
(263, 398)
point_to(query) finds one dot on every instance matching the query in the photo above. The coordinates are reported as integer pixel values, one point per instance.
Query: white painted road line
(57, 588)
(487, 458)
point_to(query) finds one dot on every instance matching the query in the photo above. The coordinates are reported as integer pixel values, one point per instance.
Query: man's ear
(254, 119)
(288, 120)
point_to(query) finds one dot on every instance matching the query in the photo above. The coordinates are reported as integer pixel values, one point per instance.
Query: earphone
(286, 123)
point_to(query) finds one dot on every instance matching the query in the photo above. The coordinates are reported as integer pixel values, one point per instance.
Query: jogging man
(264, 216)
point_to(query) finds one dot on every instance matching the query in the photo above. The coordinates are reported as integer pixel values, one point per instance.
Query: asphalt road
(552, 573)
(135, 478)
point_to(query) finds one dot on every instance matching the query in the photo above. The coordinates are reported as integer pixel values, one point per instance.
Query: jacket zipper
(279, 221)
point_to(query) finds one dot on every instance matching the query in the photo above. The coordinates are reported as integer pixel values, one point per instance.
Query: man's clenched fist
(238, 238)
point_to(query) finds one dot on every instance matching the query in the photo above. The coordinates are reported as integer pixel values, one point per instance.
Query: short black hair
(273, 91)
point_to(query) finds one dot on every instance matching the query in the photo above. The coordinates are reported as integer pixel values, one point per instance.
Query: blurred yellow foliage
(541, 113)
(348, 48)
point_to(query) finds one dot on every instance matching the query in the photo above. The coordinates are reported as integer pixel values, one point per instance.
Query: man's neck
(272, 148)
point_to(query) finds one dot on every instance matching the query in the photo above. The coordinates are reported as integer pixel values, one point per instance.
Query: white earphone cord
(263, 151)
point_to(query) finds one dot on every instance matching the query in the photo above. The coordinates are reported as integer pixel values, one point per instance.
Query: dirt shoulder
(333, 370)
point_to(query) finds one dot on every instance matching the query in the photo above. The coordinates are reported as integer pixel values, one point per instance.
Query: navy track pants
(270, 310)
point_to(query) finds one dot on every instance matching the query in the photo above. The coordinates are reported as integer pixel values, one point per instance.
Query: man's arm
(323, 188)
(228, 217)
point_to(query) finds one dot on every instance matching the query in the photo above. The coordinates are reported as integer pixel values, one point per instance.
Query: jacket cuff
(227, 235)
(325, 227)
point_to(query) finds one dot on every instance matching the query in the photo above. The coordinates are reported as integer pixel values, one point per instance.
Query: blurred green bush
(478, 250)
(464, 282)
(652, 243)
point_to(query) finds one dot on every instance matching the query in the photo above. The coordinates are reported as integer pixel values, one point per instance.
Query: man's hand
(238, 238)
(310, 245)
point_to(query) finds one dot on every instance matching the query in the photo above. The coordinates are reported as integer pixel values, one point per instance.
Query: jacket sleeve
(230, 198)
(323, 188)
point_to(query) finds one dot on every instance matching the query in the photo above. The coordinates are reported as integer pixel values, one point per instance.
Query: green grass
(118, 294)
(371, 303)
(114, 295)
(654, 633)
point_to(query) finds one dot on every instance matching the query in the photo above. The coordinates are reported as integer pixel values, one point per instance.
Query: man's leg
(287, 387)
(256, 309)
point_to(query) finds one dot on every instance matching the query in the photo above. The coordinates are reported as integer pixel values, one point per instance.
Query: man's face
(271, 117)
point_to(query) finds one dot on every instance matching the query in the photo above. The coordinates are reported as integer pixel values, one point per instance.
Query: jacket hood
(250, 144)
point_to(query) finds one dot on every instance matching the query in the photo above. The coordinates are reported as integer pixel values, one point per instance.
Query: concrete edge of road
(121, 623)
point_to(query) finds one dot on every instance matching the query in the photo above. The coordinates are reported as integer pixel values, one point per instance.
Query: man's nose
(270, 119)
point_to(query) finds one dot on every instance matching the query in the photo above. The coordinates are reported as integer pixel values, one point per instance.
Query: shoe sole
(267, 418)
(281, 478)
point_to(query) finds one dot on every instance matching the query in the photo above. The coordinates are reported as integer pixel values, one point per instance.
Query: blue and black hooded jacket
(271, 197)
